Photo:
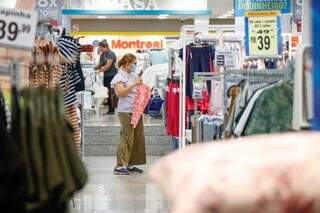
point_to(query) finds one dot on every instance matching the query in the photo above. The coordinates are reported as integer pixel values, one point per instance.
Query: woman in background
(131, 148)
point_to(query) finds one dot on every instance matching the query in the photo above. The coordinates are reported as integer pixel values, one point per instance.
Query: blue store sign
(242, 6)
(316, 63)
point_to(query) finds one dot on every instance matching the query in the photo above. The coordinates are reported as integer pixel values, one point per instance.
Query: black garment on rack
(40, 168)
(199, 59)
(80, 85)
(271, 64)
(12, 179)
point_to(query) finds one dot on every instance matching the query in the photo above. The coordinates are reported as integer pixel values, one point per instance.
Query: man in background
(107, 65)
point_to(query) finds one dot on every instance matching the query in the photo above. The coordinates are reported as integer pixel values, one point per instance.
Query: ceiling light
(227, 15)
(163, 16)
(230, 12)
(101, 17)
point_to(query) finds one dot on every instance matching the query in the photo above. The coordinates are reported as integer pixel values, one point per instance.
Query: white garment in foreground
(265, 174)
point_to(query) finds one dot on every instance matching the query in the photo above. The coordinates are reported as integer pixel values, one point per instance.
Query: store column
(316, 61)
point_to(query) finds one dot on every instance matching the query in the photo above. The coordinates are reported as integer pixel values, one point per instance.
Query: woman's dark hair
(104, 43)
(126, 59)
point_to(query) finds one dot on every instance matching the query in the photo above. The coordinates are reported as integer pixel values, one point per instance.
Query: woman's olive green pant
(131, 147)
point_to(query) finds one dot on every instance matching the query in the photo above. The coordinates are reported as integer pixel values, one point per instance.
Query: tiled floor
(107, 193)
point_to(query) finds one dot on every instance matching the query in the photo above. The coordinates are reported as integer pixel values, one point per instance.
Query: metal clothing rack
(187, 37)
(266, 75)
(257, 76)
(206, 76)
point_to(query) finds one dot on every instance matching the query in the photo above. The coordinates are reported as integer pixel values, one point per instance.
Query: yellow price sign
(263, 33)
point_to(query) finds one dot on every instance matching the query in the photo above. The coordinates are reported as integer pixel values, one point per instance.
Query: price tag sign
(17, 28)
(225, 59)
(263, 34)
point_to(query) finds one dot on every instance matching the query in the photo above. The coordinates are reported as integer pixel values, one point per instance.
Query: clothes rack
(239, 75)
(185, 40)
(258, 79)
(205, 76)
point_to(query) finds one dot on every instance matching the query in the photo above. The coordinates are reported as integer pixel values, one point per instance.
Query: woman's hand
(138, 81)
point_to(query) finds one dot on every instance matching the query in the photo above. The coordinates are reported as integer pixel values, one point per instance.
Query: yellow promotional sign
(263, 33)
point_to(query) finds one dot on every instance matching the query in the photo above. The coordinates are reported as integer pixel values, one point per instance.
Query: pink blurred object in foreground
(261, 174)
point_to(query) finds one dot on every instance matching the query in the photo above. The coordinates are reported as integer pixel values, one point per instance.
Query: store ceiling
(219, 8)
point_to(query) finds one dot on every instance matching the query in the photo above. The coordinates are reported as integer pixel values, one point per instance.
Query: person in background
(107, 66)
(131, 148)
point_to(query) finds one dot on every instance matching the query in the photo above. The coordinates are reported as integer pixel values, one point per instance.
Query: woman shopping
(131, 148)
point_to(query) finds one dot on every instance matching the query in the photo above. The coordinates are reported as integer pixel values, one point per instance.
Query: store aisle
(107, 193)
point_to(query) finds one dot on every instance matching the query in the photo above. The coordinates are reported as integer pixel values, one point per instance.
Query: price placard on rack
(225, 59)
(17, 28)
(263, 33)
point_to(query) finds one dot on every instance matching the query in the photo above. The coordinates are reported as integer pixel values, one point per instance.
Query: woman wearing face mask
(131, 148)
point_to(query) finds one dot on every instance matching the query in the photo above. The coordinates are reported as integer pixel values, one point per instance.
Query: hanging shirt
(272, 112)
(69, 79)
(125, 103)
(248, 110)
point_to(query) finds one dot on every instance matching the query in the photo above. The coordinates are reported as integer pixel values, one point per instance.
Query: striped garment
(69, 79)
(69, 48)
(74, 121)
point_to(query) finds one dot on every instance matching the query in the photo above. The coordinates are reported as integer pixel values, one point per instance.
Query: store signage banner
(263, 33)
(316, 62)
(242, 6)
(128, 43)
(17, 28)
(50, 10)
(136, 4)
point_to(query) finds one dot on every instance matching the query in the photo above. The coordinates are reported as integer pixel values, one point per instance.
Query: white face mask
(133, 68)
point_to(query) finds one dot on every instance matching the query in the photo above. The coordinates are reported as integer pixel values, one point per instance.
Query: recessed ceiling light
(222, 17)
(101, 17)
(163, 16)
(228, 15)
